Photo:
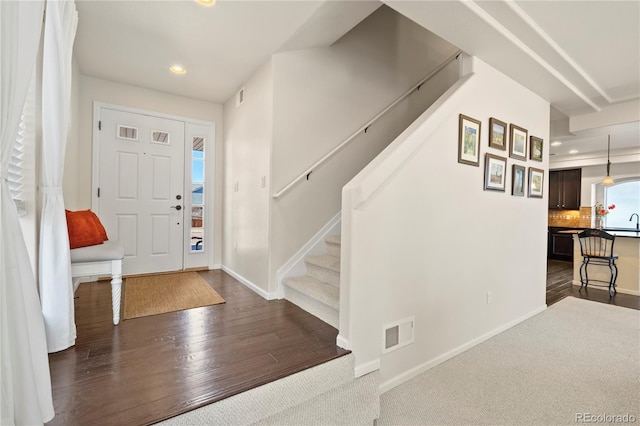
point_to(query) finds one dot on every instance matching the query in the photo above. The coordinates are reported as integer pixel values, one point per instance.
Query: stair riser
(323, 274)
(355, 403)
(317, 290)
(314, 307)
(333, 250)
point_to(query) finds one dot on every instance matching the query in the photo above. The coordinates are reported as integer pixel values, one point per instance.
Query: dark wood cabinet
(564, 189)
(559, 246)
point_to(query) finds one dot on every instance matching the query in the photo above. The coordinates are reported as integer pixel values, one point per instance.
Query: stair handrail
(367, 124)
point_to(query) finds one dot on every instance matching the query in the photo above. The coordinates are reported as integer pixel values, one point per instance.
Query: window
(197, 193)
(158, 136)
(625, 194)
(127, 132)
(25, 143)
(15, 172)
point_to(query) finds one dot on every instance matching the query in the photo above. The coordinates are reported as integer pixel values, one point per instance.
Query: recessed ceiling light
(573, 151)
(177, 69)
(206, 2)
(556, 143)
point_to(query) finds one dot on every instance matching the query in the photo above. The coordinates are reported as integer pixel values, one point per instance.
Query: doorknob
(178, 207)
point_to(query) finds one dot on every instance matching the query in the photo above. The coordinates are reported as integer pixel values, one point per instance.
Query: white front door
(141, 200)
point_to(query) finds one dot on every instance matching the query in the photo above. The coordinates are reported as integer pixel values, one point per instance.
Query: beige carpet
(158, 294)
(578, 362)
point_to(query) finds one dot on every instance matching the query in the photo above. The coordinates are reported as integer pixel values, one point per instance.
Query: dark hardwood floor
(152, 368)
(559, 286)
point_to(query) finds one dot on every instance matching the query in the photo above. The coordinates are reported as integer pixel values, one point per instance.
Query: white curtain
(25, 384)
(56, 287)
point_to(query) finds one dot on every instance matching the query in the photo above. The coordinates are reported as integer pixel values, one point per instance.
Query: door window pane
(127, 132)
(197, 194)
(159, 136)
(197, 170)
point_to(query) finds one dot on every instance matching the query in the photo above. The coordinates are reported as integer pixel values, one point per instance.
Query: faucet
(637, 218)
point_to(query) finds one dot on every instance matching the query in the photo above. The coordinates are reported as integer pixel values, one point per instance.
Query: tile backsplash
(570, 218)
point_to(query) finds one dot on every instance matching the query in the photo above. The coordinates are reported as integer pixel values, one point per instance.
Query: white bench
(101, 259)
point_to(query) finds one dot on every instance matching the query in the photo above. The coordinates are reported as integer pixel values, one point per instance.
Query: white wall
(247, 146)
(77, 177)
(421, 237)
(321, 96)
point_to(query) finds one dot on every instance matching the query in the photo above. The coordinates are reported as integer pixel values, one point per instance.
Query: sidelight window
(197, 194)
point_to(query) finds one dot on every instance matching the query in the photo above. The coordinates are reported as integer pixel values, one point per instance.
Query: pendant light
(607, 179)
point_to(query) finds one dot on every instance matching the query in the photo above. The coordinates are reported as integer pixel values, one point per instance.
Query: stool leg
(615, 277)
(116, 289)
(611, 279)
(585, 264)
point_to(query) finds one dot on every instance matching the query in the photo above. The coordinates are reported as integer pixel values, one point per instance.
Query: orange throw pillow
(98, 225)
(84, 229)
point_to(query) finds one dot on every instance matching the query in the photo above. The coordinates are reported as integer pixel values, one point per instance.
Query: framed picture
(535, 148)
(536, 180)
(497, 134)
(518, 139)
(517, 180)
(495, 172)
(469, 141)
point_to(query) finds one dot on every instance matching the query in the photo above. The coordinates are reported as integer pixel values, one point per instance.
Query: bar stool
(596, 247)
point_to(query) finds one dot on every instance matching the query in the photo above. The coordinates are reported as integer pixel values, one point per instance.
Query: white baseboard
(246, 282)
(343, 343)
(216, 266)
(618, 289)
(315, 245)
(366, 368)
(410, 374)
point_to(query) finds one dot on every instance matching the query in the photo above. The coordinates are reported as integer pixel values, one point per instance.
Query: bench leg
(116, 289)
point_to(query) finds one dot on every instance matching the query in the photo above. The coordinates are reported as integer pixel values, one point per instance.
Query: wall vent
(397, 334)
(240, 97)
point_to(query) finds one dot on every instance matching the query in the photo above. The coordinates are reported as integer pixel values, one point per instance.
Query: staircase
(327, 394)
(318, 292)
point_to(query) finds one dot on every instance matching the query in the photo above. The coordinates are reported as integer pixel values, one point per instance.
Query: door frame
(210, 174)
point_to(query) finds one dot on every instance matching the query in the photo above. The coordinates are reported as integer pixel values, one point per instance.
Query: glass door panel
(197, 194)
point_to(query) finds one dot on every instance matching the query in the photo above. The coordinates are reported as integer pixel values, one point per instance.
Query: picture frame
(518, 179)
(497, 134)
(535, 148)
(469, 140)
(536, 182)
(517, 142)
(495, 172)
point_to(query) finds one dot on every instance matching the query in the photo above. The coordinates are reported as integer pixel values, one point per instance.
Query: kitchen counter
(617, 232)
(627, 247)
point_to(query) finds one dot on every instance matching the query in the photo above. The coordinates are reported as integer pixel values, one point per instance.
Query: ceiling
(135, 42)
(582, 56)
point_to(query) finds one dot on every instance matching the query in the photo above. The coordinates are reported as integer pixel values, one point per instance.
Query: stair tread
(327, 261)
(334, 239)
(316, 289)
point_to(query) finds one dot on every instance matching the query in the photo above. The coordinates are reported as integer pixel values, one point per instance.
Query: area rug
(158, 294)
